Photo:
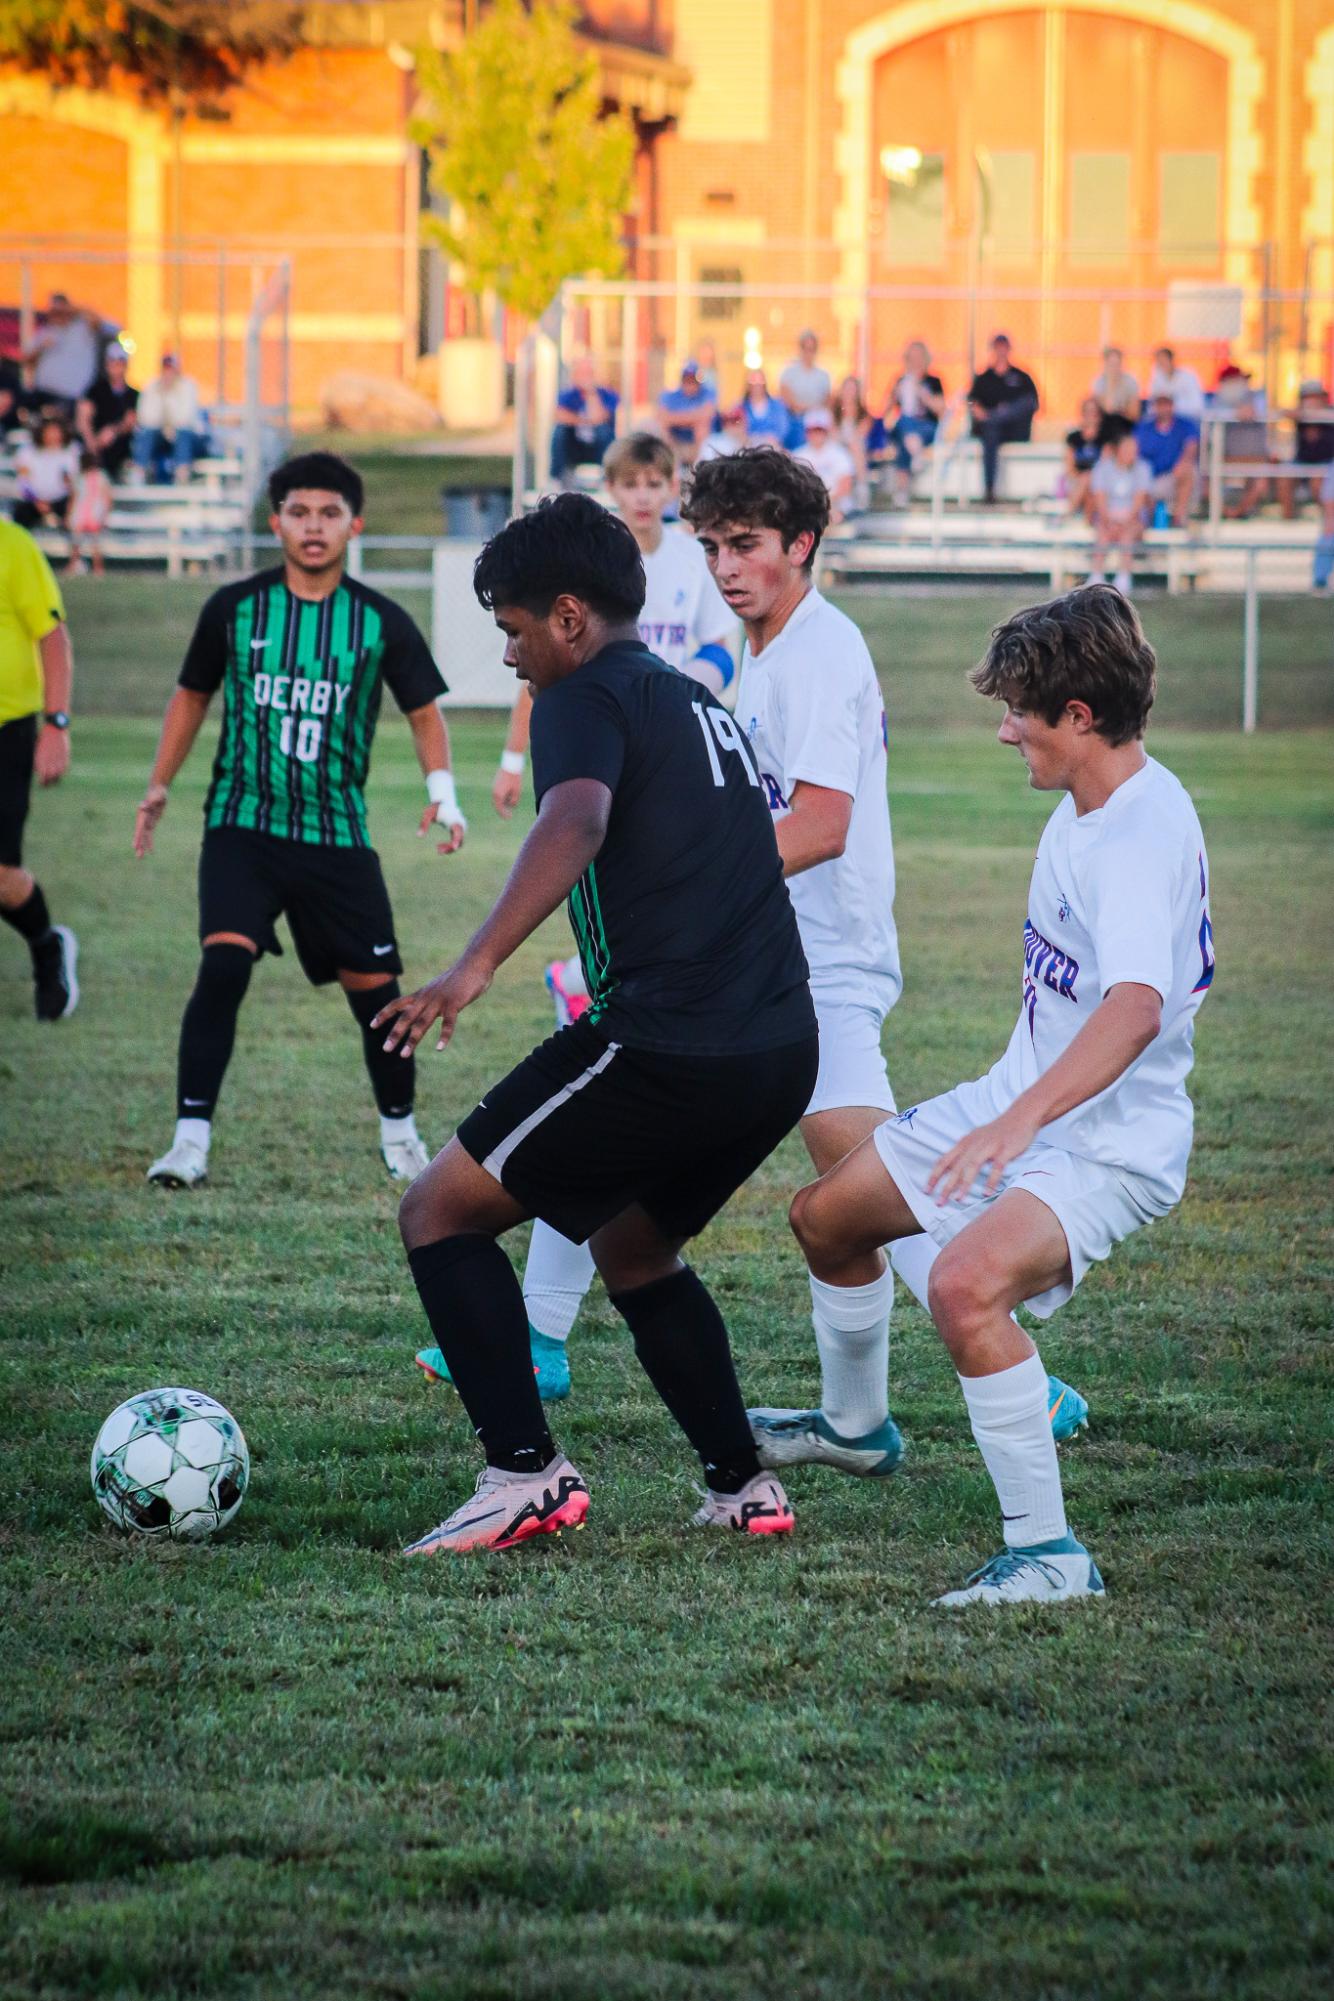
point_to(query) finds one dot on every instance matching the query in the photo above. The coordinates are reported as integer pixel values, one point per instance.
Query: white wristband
(440, 791)
(513, 761)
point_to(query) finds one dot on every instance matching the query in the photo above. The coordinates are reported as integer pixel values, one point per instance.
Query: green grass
(635, 1764)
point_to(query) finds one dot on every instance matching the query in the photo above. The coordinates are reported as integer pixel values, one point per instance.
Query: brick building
(1072, 169)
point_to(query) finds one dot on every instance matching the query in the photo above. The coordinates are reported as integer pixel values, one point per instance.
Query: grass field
(636, 1764)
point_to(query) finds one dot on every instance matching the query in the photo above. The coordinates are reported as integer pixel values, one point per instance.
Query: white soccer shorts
(1095, 1205)
(852, 1064)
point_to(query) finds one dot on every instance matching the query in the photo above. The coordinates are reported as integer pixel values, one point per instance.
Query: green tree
(514, 125)
(171, 51)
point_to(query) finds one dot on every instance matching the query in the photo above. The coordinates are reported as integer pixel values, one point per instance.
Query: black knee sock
(682, 1346)
(208, 1028)
(32, 920)
(393, 1079)
(475, 1306)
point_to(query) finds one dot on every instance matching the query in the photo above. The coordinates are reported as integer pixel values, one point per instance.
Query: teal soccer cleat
(1067, 1410)
(551, 1366)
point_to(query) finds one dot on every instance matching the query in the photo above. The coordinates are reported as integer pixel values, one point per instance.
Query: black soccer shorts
(584, 1128)
(18, 742)
(334, 899)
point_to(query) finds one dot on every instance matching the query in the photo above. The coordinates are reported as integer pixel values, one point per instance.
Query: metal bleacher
(194, 526)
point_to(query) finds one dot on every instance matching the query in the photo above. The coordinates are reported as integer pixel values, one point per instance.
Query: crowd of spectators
(74, 425)
(1133, 459)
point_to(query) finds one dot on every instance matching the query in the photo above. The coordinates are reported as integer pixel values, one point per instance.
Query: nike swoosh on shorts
(380, 950)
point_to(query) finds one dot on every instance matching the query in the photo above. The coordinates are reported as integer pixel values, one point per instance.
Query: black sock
(682, 1346)
(393, 1078)
(32, 920)
(208, 1028)
(475, 1306)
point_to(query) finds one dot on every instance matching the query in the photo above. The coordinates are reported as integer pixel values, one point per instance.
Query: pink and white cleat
(565, 984)
(761, 1508)
(509, 1508)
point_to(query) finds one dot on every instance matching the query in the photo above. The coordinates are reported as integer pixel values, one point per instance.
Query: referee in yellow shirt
(36, 670)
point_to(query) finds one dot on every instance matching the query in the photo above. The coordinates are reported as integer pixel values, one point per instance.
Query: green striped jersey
(301, 684)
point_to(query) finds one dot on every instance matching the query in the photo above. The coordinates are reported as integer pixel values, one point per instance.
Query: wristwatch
(57, 719)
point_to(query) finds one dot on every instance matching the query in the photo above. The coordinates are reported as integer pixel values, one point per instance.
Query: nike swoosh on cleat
(1056, 1406)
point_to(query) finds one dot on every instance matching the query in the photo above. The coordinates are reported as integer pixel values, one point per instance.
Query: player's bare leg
(1016, 1251)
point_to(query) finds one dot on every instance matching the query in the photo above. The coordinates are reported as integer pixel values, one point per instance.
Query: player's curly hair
(568, 545)
(1087, 646)
(759, 487)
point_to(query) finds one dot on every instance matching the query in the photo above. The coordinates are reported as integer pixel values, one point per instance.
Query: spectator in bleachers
(852, 429)
(1245, 441)
(11, 394)
(1003, 400)
(1083, 447)
(1313, 446)
(706, 357)
(106, 415)
(1324, 548)
(767, 417)
(804, 385)
(46, 471)
(1120, 489)
(1181, 384)
(731, 436)
(585, 421)
(832, 460)
(1115, 391)
(1170, 445)
(687, 414)
(88, 515)
(63, 357)
(169, 435)
(913, 411)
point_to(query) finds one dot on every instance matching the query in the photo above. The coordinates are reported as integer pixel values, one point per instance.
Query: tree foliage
(167, 50)
(513, 122)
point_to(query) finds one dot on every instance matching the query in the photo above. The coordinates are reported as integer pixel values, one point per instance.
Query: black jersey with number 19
(683, 922)
(301, 682)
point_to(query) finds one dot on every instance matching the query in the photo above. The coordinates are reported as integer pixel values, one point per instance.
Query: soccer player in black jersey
(635, 1124)
(300, 653)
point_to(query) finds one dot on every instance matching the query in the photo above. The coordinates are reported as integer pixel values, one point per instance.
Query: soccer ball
(170, 1463)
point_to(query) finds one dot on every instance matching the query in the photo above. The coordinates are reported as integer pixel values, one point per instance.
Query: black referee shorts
(334, 900)
(18, 742)
(584, 1128)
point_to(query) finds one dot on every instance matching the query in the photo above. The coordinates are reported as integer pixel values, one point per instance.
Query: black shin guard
(683, 1349)
(393, 1078)
(475, 1306)
(32, 919)
(208, 1028)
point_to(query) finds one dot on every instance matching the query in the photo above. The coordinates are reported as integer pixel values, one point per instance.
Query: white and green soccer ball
(171, 1463)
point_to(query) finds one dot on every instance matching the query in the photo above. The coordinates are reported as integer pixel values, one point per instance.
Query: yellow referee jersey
(30, 607)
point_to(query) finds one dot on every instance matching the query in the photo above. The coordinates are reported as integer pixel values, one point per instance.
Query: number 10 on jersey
(301, 739)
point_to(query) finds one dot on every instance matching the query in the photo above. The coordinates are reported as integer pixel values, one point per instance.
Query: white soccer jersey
(1120, 894)
(811, 707)
(682, 609)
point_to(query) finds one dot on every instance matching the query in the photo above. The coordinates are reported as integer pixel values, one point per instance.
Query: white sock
(912, 1259)
(396, 1129)
(555, 1280)
(1013, 1433)
(1097, 577)
(852, 1334)
(193, 1132)
(1122, 582)
(572, 974)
